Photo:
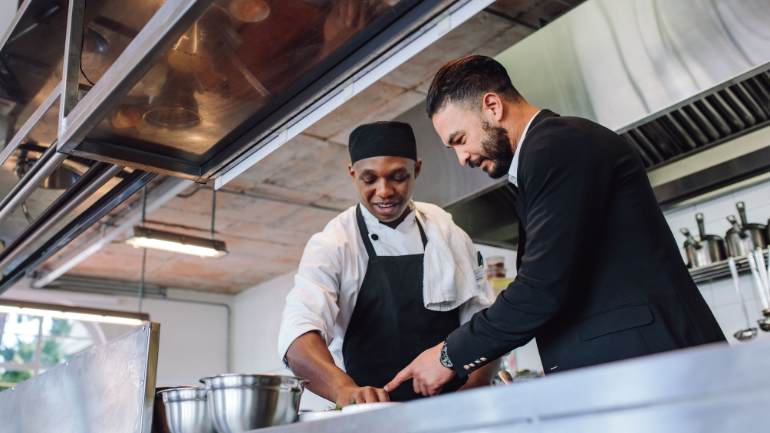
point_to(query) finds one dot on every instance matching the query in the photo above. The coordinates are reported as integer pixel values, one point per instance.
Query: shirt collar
(514, 170)
(374, 224)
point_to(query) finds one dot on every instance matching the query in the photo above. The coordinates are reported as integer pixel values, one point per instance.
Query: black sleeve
(564, 183)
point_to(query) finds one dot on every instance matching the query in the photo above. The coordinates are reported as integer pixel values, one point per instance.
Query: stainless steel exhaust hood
(672, 77)
(186, 87)
(178, 87)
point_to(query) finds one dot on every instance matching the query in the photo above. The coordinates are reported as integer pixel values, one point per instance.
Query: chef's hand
(427, 374)
(360, 394)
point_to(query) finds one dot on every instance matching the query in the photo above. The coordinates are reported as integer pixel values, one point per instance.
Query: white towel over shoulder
(452, 274)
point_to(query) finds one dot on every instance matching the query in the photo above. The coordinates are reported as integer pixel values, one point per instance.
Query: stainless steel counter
(708, 389)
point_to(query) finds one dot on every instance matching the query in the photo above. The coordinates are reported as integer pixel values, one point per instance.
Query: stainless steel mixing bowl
(185, 411)
(241, 402)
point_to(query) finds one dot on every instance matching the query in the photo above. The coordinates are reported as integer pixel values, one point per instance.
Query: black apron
(390, 325)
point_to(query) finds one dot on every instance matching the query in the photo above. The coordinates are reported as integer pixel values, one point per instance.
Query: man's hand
(360, 394)
(427, 374)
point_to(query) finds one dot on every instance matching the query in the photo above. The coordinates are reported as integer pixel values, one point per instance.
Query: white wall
(193, 336)
(256, 318)
(720, 295)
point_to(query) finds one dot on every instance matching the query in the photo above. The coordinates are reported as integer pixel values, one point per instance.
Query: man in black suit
(600, 277)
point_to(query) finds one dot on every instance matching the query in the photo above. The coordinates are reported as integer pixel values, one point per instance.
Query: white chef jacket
(334, 264)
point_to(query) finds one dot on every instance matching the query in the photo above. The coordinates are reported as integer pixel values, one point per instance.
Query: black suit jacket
(600, 277)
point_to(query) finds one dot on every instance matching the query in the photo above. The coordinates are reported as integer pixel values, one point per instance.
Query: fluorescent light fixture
(178, 243)
(56, 314)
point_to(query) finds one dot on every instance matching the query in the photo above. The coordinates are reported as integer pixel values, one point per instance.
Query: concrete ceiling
(267, 214)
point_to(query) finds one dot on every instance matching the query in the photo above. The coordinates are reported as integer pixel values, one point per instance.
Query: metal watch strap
(444, 358)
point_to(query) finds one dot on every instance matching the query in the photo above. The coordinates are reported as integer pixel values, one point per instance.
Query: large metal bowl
(241, 402)
(185, 411)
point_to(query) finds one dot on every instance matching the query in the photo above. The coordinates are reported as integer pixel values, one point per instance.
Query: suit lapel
(521, 209)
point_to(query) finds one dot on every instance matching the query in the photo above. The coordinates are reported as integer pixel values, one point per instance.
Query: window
(33, 340)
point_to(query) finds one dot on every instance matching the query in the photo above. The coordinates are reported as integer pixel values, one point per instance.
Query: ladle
(764, 280)
(749, 332)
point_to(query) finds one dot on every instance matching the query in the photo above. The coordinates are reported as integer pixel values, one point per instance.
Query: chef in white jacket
(385, 280)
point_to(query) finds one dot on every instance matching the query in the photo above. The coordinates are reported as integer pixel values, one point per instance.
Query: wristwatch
(444, 358)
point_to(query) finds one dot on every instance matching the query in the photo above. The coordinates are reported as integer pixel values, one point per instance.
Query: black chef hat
(382, 139)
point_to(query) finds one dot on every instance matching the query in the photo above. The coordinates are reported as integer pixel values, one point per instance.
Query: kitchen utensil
(505, 376)
(241, 402)
(744, 237)
(768, 267)
(691, 247)
(705, 251)
(756, 231)
(759, 284)
(749, 332)
(185, 411)
(763, 274)
(759, 255)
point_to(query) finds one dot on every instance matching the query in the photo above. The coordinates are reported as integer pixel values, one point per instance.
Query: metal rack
(719, 270)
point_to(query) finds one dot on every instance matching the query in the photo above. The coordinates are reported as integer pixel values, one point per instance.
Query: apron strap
(422, 232)
(364, 233)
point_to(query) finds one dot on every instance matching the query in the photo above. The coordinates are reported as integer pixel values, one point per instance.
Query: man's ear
(351, 171)
(492, 104)
(417, 167)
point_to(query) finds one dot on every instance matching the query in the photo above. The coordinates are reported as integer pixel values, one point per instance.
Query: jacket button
(483, 359)
(374, 236)
(467, 367)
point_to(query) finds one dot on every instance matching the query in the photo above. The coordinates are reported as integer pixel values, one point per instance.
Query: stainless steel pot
(744, 237)
(241, 402)
(185, 411)
(705, 251)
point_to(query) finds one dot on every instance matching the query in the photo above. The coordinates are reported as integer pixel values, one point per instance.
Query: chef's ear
(417, 167)
(492, 104)
(351, 171)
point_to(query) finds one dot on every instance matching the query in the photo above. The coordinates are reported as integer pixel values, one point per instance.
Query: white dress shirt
(513, 172)
(334, 264)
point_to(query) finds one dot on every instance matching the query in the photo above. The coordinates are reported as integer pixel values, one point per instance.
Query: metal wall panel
(108, 388)
(619, 61)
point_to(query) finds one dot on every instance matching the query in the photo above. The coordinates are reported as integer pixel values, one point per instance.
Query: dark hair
(468, 78)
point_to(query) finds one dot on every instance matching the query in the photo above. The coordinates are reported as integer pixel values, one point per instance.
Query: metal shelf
(720, 270)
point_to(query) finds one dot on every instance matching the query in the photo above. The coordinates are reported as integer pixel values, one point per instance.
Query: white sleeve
(484, 297)
(311, 305)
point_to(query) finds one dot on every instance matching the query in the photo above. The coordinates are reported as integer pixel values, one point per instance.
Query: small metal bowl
(185, 410)
(242, 402)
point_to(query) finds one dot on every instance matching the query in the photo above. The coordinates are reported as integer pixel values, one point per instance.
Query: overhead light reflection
(175, 242)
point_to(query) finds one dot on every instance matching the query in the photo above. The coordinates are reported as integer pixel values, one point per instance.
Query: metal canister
(744, 237)
(707, 249)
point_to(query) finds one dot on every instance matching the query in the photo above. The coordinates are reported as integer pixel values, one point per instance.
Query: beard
(497, 148)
